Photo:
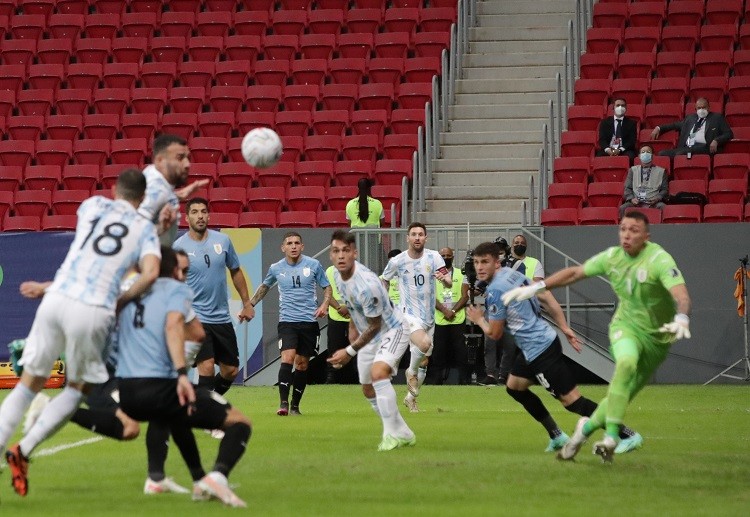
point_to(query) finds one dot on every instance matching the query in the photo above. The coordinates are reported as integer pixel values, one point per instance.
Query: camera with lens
(468, 269)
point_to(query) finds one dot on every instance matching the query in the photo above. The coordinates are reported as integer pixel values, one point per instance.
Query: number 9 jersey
(111, 237)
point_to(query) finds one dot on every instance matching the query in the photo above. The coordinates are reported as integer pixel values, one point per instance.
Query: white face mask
(702, 113)
(619, 111)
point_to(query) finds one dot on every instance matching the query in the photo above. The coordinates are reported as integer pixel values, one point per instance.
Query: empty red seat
(100, 25)
(668, 90)
(740, 143)
(371, 122)
(333, 219)
(414, 95)
(322, 147)
(139, 125)
(407, 120)
(280, 46)
(11, 177)
(297, 219)
(256, 219)
(168, 49)
(90, 151)
(376, 96)
(314, 173)
(559, 217)
(227, 199)
(610, 169)
(46, 77)
(661, 114)
(306, 198)
(249, 120)
(317, 46)
(598, 66)
(718, 37)
(103, 126)
(139, 24)
(392, 44)
(6, 203)
(598, 215)
(266, 199)
(339, 196)
(431, 44)
(605, 193)
(744, 36)
(207, 149)
(32, 202)
(289, 22)
(293, 148)
(711, 88)
(722, 213)
(364, 20)
(634, 91)
(421, 69)
(25, 127)
(571, 170)
(578, 143)
(330, 122)
(280, 175)
(309, 71)
(686, 12)
(566, 195)
(251, 23)
(679, 38)
(584, 118)
(697, 167)
(437, 19)
(148, 100)
(73, 101)
(641, 38)
(325, 21)
(347, 70)
(64, 127)
(196, 73)
(633, 65)
(360, 147)
(27, 26)
(7, 102)
(731, 166)
(216, 124)
(205, 48)
(66, 202)
(234, 174)
(355, 44)
(674, 64)
(603, 40)
(208, 23)
(223, 220)
(388, 195)
(294, 123)
(295, 4)
(591, 91)
(111, 7)
(273, 72)
(177, 24)
(120, 75)
(392, 172)
(13, 77)
(738, 114)
(727, 191)
(399, 147)
(228, 99)
(741, 60)
(646, 14)
(739, 89)
(80, 177)
(17, 51)
(241, 47)
(42, 177)
(610, 15)
(17, 153)
(348, 173)
(129, 151)
(93, 50)
(232, 73)
(28, 223)
(34, 102)
(401, 19)
(263, 98)
(111, 100)
(681, 214)
(724, 12)
(713, 63)
(59, 223)
(339, 96)
(65, 26)
(187, 99)
(695, 187)
(385, 70)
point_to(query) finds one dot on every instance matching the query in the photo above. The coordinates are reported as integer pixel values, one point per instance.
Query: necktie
(698, 125)
(618, 128)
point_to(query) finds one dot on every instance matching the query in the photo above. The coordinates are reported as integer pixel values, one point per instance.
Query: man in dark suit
(700, 133)
(617, 135)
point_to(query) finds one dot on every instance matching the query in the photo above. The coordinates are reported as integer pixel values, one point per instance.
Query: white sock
(53, 417)
(386, 396)
(415, 359)
(374, 403)
(421, 376)
(12, 410)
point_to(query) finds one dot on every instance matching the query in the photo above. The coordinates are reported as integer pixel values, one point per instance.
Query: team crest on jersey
(306, 271)
(641, 275)
(492, 309)
(427, 268)
(217, 249)
(674, 272)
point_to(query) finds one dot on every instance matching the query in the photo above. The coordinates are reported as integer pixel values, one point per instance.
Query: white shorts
(387, 350)
(416, 324)
(78, 330)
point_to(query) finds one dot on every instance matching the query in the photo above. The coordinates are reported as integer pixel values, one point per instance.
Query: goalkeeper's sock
(157, 446)
(618, 394)
(99, 421)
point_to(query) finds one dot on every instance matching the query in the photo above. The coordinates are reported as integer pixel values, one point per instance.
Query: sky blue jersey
(533, 335)
(297, 287)
(207, 276)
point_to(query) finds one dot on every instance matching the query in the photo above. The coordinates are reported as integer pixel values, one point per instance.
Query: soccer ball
(261, 147)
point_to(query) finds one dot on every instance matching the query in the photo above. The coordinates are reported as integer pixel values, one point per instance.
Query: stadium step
(513, 72)
(523, 59)
(512, 7)
(513, 180)
(531, 84)
(495, 137)
(530, 165)
(500, 122)
(477, 192)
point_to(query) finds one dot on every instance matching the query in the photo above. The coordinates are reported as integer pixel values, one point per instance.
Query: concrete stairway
(495, 126)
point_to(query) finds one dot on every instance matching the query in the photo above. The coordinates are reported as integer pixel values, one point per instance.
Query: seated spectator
(646, 185)
(617, 135)
(700, 133)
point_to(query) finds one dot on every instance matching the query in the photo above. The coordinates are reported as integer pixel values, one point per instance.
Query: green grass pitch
(478, 453)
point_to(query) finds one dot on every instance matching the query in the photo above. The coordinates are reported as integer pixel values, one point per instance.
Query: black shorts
(148, 399)
(549, 370)
(220, 344)
(300, 336)
(338, 335)
(104, 396)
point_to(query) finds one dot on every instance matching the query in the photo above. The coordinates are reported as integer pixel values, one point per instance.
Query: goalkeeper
(652, 313)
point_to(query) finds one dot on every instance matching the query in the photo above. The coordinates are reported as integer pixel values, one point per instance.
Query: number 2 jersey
(111, 237)
(416, 283)
(297, 287)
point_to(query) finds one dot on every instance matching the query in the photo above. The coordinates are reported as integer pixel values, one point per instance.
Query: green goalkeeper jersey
(642, 286)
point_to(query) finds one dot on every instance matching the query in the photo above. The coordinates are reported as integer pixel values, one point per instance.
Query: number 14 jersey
(297, 287)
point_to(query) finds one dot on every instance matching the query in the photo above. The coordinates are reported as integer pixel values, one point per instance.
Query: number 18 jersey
(416, 283)
(111, 237)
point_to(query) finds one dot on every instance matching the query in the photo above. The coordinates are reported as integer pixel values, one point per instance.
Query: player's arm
(240, 283)
(461, 303)
(551, 305)
(149, 267)
(681, 299)
(33, 289)
(187, 191)
(322, 309)
(567, 276)
(259, 294)
(343, 356)
(175, 334)
(194, 336)
(493, 329)
(680, 325)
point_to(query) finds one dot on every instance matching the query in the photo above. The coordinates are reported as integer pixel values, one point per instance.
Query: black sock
(221, 384)
(99, 421)
(582, 406)
(626, 432)
(185, 442)
(535, 407)
(207, 381)
(300, 383)
(157, 445)
(285, 381)
(232, 447)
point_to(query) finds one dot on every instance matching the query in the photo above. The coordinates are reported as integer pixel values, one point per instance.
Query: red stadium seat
(571, 170)
(13, 77)
(731, 166)
(392, 44)
(610, 169)
(399, 147)
(740, 143)
(248, 120)
(385, 70)
(232, 73)
(256, 219)
(157, 75)
(73, 101)
(633, 65)
(227, 199)
(584, 118)
(64, 127)
(722, 213)
(559, 217)
(65, 26)
(603, 40)
(80, 177)
(293, 148)
(431, 44)
(634, 91)
(263, 98)
(414, 95)
(297, 219)
(339, 96)
(325, 21)
(681, 214)
(363, 20)
(314, 173)
(668, 90)
(6, 203)
(280, 46)
(288, 22)
(718, 37)
(17, 153)
(294, 123)
(653, 214)
(347, 70)
(376, 96)
(407, 120)
(566, 195)
(306, 198)
(330, 122)
(208, 23)
(17, 51)
(27, 223)
(679, 38)
(176, 24)
(216, 123)
(280, 175)
(348, 172)
(129, 151)
(66, 202)
(401, 20)
(93, 50)
(661, 114)
(744, 36)
(251, 23)
(120, 75)
(205, 48)
(598, 66)
(295, 4)
(32, 202)
(235, 174)
(333, 219)
(360, 147)
(111, 100)
(180, 124)
(89, 151)
(727, 191)
(25, 127)
(388, 195)
(45, 77)
(139, 125)
(207, 149)
(610, 15)
(34, 102)
(28, 26)
(392, 172)
(591, 91)
(738, 114)
(322, 147)
(42, 177)
(687, 12)
(339, 196)
(739, 89)
(317, 46)
(641, 38)
(273, 72)
(168, 49)
(598, 215)
(355, 44)
(437, 19)
(421, 69)
(713, 63)
(676, 64)
(695, 187)
(266, 199)
(606, 193)
(747, 212)
(196, 73)
(711, 88)
(103, 126)
(187, 99)
(11, 176)
(370, 122)
(7, 102)
(723, 12)
(59, 223)
(228, 99)
(54, 152)
(101, 25)
(139, 24)
(646, 14)
(697, 167)
(578, 143)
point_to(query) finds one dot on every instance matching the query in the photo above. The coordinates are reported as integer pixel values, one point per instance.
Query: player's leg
(365, 359)
(103, 414)
(205, 362)
(226, 353)
(157, 447)
(288, 337)
(308, 340)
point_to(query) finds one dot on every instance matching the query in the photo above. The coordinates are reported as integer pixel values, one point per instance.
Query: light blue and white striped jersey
(533, 334)
(207, 276)
(366, 297)
(111, 237)
(142, 338)
(416, 282)
(297, 287)
(159, 192)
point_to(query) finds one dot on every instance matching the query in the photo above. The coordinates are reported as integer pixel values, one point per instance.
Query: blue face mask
(645, 157)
